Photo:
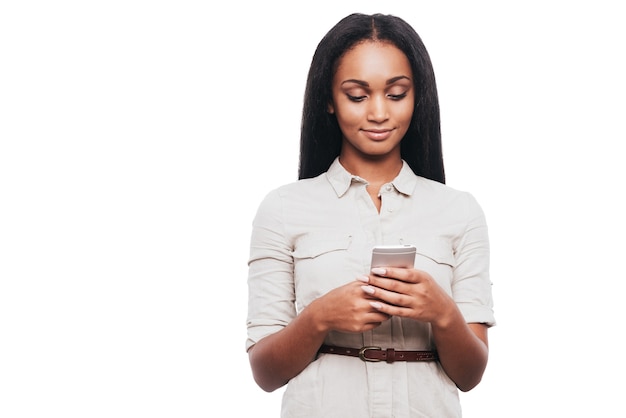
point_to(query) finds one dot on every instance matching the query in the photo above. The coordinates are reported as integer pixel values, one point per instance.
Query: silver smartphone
(393, 256)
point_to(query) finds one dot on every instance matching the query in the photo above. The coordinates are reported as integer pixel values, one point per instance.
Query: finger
(374, 293)
(369, 290)
(389, 297)
(379, 271)
(389, 284)
(391, 272)
(375, 316)
(390, 310)
(363, 278)
(402, 274)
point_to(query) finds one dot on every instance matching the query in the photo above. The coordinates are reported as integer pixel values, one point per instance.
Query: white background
(138, 137)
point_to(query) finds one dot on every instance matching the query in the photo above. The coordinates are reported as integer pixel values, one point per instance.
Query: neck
(375, 171)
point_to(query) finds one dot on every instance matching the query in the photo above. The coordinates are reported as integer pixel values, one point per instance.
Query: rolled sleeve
(271, 294)
(471, 287)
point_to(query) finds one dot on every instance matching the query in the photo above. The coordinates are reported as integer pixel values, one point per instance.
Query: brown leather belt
(377, 354)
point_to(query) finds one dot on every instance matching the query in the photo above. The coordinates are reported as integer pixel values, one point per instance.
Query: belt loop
(391, 355)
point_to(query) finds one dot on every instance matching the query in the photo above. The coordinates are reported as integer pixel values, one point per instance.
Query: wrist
(316, 317)
(449, 318)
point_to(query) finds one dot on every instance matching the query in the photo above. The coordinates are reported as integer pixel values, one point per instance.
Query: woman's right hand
(279, 357)
(347, 309)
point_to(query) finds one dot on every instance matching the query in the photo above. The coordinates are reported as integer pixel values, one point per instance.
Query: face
(373, 100)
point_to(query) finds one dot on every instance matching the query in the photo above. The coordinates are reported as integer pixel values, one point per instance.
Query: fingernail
(376, 305)
(364, 279)
(378, 271)
(368, 289)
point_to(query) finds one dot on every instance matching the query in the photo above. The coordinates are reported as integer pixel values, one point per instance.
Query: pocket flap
(315, 244)
(438, 250)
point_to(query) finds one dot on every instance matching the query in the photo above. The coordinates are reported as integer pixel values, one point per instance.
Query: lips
(377, 134)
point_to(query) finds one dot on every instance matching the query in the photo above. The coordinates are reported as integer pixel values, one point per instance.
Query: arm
(281, 342)
(282, 355)
(463, 350)
(279, 357)
(462, 346)
(460, 330)
(410, 293)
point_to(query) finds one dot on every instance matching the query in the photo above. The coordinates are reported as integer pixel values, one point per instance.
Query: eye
(356, 98)
(397, 96)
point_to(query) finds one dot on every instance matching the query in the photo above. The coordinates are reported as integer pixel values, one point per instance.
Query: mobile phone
(393, 256)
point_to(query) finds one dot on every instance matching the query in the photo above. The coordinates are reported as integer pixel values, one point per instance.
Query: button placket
(388, 197)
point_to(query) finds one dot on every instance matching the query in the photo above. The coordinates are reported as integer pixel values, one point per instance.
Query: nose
(377, 111)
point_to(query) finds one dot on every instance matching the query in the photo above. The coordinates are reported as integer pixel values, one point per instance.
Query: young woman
(351, 341)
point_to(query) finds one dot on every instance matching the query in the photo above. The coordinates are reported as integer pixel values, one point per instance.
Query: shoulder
(426, 190)
(444, 195)
(297, 188)
(290, 193)
(424, 185)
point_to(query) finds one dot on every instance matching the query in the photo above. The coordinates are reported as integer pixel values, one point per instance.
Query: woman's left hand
(408, 293)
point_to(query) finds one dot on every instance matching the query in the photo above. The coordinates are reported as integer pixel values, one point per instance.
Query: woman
(371, 172)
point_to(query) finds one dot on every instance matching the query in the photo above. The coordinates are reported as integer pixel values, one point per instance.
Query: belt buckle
(364, 349)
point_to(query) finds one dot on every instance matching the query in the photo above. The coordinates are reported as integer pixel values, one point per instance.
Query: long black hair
(320, 137)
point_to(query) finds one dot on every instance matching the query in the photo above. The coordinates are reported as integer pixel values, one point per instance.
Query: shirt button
(388, 188)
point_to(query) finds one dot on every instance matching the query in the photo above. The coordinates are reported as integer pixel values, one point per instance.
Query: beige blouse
(313, 235)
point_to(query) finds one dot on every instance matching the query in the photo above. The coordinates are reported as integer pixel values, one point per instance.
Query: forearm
(279, 357)
(462, 348)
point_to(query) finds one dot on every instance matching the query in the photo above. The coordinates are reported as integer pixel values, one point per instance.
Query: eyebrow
(366, 84)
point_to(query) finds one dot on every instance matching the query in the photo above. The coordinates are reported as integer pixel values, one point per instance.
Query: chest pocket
(320, 263)
(436, 257)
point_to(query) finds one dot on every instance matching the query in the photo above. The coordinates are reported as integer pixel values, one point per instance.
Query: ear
(330, 108)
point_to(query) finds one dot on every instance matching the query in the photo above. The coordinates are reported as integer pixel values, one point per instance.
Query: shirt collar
(340, 179)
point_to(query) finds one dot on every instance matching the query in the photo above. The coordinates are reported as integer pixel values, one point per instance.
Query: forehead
(371, 60)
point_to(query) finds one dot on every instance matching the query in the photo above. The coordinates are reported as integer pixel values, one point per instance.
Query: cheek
(404, 119)
(406, 113)
(348, 117)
